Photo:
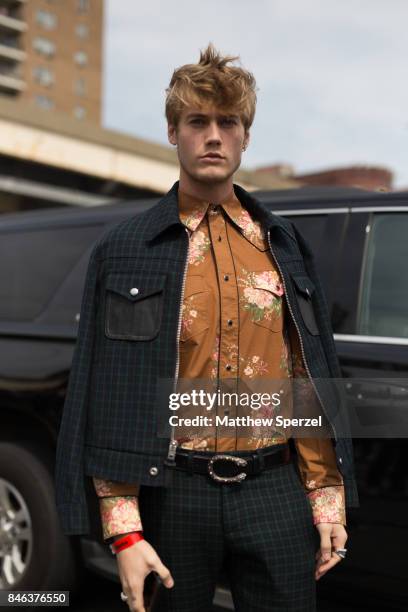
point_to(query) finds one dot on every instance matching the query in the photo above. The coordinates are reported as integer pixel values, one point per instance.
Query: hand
(134, 564)
(332, 536)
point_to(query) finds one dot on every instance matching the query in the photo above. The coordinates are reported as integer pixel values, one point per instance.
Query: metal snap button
(340, 460)
(134, 291)
(153, 471)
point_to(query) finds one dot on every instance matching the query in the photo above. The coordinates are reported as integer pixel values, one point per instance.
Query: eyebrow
(203, 115)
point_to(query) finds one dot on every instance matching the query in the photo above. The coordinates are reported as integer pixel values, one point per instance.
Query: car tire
(46, 558)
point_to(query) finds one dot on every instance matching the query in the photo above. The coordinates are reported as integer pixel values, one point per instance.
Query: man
(208, 284)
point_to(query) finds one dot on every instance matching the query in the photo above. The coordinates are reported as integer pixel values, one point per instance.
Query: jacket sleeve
(344, 446)
(71, 499)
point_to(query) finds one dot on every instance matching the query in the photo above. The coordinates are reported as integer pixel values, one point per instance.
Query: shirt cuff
(113, 488)
(119, 515)
(328, 505)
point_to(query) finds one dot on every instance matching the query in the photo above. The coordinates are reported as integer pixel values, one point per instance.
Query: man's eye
(229, 121)
(197, 121)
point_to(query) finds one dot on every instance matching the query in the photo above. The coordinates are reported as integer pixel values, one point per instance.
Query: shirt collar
(192, 211)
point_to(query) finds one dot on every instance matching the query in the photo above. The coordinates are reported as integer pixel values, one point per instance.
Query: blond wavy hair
(212, 82)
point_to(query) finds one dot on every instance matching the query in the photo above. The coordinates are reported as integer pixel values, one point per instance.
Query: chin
(211, 175)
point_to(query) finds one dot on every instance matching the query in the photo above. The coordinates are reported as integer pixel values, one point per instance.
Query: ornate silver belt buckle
(237, 460)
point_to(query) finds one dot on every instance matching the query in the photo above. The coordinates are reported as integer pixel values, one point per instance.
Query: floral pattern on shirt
(327, 505)
(215, 356)
(103, 488)
(112, 488)
(199, 245)
(261, 294)
(251, 229)
(193, 220)
(188, 315)
(253, 366)
(119, 515)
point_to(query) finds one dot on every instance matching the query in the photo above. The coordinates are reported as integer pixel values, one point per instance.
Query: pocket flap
(303, 283)
(135, 286)
(269, 281)
(195, 283)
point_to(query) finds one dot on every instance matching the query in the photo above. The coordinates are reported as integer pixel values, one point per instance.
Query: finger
(135, 598)
(164, 574)
(325, 546)
(322, 568)
(339, 541)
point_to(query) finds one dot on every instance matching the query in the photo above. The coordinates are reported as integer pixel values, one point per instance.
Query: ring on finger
(341, 552)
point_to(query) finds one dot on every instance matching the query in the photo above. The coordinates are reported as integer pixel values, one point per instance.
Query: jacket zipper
(171, 455)
(300, 337)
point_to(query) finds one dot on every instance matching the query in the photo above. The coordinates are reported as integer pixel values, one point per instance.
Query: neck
(211, 192)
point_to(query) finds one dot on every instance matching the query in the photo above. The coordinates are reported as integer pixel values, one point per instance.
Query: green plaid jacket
(108, 426)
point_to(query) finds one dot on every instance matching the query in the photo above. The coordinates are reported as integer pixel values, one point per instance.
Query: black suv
(360, 240)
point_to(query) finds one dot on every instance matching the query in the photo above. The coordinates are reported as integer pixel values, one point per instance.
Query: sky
(332, 75)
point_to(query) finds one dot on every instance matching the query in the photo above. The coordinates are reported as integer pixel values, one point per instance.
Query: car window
(33, 264)
(384, 294)
(312, 228)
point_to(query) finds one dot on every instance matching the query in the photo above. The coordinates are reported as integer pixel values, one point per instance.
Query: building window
(43, 75)
(44, 102)
(79, 112)
(81, 58)
(46, 19)
(83, 6)
(79, 87)
(43, 46)
(82, 30)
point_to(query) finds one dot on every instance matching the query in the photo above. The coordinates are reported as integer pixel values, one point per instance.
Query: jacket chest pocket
(304, 291)
(134, 305)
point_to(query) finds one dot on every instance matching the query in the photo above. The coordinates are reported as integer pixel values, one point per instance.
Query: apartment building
(51, 55)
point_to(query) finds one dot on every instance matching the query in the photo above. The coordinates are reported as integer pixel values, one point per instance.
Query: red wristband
(126, 541)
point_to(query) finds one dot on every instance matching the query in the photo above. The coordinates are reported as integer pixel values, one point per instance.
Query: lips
(212, 156)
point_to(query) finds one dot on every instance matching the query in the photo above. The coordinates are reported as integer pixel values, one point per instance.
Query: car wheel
(34, 553)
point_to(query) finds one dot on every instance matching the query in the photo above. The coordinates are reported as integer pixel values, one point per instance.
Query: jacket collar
(165, 213)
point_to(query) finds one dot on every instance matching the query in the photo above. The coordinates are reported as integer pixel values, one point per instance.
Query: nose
(213, 133)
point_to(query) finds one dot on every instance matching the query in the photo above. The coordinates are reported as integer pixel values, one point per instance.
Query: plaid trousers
(259, 532)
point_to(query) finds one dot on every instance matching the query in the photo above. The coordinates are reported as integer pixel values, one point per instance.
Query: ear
(246, 139)
(172, 133)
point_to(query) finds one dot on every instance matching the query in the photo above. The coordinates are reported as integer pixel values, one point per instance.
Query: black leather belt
(223, 467)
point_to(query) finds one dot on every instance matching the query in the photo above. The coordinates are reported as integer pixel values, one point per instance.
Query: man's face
(209, 143)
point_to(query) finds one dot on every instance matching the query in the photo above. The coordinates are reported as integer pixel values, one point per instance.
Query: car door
(370, 318)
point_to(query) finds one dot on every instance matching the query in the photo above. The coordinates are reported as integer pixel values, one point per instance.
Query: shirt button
(153, 471)
(226, 277)
(229, 322)
(340, 460)
(134, 291)
(228, 367)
